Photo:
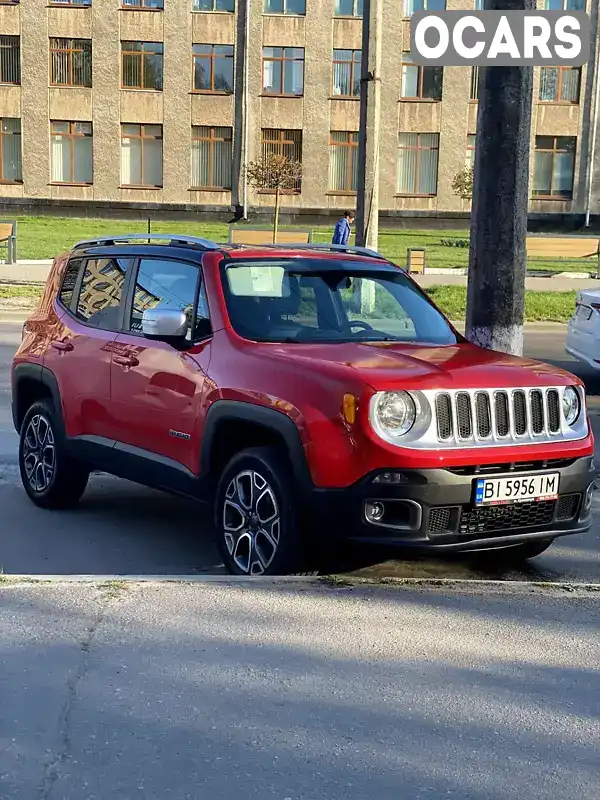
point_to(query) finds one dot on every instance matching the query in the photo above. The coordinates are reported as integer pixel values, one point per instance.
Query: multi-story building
(164, 102)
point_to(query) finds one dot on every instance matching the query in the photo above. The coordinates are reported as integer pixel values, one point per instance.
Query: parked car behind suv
(312, 395)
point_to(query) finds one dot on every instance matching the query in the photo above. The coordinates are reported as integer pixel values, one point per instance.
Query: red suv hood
(391, 365)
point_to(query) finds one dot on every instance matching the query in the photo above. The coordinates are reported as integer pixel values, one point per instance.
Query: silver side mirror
(164, 323)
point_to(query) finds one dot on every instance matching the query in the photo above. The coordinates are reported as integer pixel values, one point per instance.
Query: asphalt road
(121, 528)
(297, 692)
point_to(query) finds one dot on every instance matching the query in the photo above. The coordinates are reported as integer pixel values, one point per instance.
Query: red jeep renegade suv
(309, 393)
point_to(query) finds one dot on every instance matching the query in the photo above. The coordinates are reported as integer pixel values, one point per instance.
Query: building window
(554, 166)
(560, 84)
(564, 5)
(71, 152)
(142, 65)
(141, 156)
(283, 71)
(149, 5)
(296, 8)
(348, 8)
(10, 59)
(211, 158)
(474, 83)
(410, 6)
(213, 68)
(346, 73)
(71, 62)
(470, 155)
(227, 6)
(420, 83)
(11, 170)
(343, 161)
(70, 2)
(286, 143)
(418, 163)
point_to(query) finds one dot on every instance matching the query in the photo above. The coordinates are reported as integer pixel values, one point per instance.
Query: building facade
(163, 102)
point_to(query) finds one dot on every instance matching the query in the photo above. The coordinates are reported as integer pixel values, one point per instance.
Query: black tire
(51, 478)
(260, 545)
(520, 552)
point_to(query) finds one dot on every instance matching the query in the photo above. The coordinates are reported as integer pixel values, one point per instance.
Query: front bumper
(433, 509)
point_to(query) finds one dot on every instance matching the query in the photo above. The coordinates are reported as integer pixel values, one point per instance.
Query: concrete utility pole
(497, 257)
(367, 201)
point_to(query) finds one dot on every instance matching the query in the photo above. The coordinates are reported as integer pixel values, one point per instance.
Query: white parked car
(583, 337)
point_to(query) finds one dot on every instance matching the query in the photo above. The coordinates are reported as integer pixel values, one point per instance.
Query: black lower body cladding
(435, 509)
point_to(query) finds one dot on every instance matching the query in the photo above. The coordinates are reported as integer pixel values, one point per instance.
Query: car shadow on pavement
(310, 692)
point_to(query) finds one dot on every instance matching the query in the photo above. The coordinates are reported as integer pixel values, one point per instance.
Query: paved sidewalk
(37, 272)
(205, 691)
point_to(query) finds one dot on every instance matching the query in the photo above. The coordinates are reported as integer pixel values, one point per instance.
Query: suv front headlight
(571, 405)
(396, 414)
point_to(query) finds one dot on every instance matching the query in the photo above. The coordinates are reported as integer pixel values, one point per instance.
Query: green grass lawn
(44, 237)
(539, 306)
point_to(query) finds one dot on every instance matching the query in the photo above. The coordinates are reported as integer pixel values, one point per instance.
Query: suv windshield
(324, 301)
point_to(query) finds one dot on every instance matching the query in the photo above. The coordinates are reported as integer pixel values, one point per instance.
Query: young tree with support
(275, 172)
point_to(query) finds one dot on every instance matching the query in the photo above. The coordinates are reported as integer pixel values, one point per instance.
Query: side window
(163, 284)
(69, 282)
(102, 292)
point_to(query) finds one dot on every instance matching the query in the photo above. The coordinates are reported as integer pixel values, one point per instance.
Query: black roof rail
(172, 238)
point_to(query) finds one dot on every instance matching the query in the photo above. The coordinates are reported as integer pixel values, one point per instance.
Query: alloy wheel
(251, 522)
(39, 453)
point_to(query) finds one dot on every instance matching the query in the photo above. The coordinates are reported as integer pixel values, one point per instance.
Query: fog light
(374, 512)
(390, 478)
(587, 503)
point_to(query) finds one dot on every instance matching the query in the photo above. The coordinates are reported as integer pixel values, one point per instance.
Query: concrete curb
(331, 581)
(460, 272)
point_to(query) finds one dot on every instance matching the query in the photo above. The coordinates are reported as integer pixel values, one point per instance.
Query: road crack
(52, 768)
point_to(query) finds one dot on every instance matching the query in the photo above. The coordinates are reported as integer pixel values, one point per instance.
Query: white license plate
(524, 489)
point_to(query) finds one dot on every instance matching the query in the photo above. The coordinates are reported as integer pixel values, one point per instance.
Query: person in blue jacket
(341, 234)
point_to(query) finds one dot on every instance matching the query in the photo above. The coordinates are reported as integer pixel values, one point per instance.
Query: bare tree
(275, 172)
(462, 185)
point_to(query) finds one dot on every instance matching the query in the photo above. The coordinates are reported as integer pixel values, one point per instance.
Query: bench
(240, 234)
(8, 239)
(415, 260)
(562, 247)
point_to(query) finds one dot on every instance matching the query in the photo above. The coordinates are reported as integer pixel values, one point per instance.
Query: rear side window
(102, 291)
(69, 282)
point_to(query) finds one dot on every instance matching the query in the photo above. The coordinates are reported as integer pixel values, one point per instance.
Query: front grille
(568, 506)
(501, 414)
(501, 518)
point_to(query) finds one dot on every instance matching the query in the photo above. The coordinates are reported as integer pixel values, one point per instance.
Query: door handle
(62, 347)
(126, 361)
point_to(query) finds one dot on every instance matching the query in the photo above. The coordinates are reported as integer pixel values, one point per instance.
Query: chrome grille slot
(553, 411)
(520, 413)
(502, 416)
(483, 414)
(537, 411)
(443, 413)
(463, 415)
